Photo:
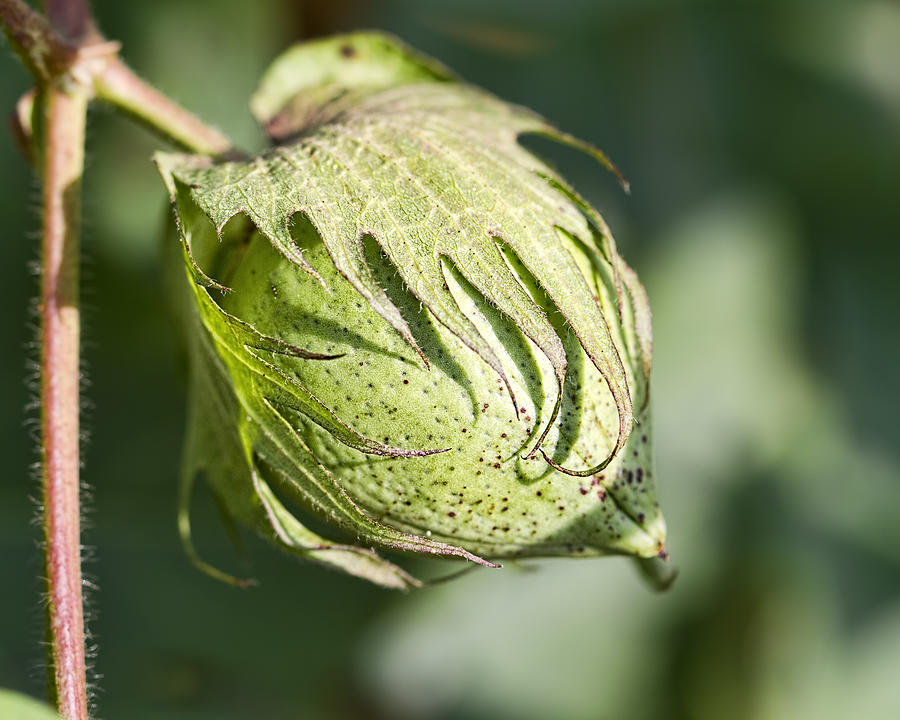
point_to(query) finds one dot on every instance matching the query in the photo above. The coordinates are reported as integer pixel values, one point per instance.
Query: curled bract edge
(408, 332)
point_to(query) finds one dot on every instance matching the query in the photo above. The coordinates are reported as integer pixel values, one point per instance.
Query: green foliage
(416, 330)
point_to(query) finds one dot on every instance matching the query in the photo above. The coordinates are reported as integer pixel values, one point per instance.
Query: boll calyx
(407, 332)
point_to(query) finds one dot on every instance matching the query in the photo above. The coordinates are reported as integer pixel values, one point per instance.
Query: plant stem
(20, 125)
(33, 39)
(65, 116)
(63, 154)
(72, 64)
(118, 85)
(73, 19)
(71, 45)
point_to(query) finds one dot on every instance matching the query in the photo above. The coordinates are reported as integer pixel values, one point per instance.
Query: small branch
(72, 49)
(63, 154)
(34, 40)
(118, 85)
(20, 126)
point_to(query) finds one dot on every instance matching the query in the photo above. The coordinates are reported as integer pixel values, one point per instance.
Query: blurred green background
(762, 141)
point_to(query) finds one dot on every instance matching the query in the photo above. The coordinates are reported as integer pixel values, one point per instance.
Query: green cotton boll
(406, 332)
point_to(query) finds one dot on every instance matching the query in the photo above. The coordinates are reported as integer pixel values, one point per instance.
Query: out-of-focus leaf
(15, 706)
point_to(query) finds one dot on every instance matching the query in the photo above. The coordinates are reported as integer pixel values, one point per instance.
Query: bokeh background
(762, 141)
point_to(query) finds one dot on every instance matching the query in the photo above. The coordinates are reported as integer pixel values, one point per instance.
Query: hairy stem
(63, 158)
(65, 115)
(71, 64)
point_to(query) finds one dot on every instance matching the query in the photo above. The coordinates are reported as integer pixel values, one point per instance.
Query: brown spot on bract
(348, 51)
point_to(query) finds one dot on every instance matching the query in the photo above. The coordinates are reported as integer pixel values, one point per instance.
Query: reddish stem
(60, 373)
(118, 85)
(63, 164)
(70, 62)
(73, 19)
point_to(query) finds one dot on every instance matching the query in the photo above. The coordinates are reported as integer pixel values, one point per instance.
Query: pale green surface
(471, 383)
(14, 706)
